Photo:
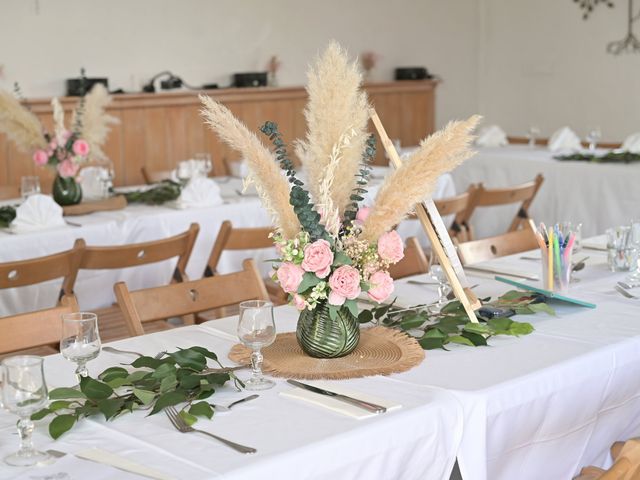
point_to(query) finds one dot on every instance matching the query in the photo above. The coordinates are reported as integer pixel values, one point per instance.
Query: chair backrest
(475, 251)
(35, 329)
(230, 238)
(42, 269)
(188, 298)
(456, 206)
(136, 254)
(488, 197)
(414, 262)
(9, 192)
(155, 176)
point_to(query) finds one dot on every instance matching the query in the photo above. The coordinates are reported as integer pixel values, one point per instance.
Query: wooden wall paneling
(133, 146)
(178, 147)
(4, 160)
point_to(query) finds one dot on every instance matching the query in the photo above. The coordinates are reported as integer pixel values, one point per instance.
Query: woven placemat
(381, 351)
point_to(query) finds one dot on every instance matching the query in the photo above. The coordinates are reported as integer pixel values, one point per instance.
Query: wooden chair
(414, 262)
(133, 255)
(626, 466)
(189, 298)
(475, 251)
(35, 329)
(42, 269)
(155, 176)
(235, 239)
(456, 206)
(485, 197)
(9, 192)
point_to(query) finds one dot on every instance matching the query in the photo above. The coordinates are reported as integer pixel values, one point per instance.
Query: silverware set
(625, 293)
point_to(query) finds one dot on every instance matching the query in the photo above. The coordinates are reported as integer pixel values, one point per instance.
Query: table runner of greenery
(611, 157)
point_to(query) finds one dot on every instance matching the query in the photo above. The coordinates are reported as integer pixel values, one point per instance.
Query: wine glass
(257, 329)
(532, 134)
(24, 392)
(80, 340)
(29, 185)
(437, 273)
(634, 277)
(593, 137)
(204, 163)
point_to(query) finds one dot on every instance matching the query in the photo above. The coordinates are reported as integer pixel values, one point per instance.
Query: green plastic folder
(546, 293)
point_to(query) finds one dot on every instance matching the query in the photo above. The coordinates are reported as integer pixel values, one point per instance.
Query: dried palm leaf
(95, 122)
(19, 124)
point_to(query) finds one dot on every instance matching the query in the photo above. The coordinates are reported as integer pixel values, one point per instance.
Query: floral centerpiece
(64, 150)
(332, 248)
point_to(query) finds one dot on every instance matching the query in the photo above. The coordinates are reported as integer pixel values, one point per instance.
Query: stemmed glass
(24, 392)
(257, 329)
(204, 163)
(437, 273)
(593, 136)
(634, 277)
(80, 340)
(532, 134)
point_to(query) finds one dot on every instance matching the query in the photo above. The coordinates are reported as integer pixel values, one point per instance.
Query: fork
(628, 286)
(180, 425)
(624, 293)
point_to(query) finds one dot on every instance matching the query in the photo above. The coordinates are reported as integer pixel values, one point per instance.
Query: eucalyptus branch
(363, 179)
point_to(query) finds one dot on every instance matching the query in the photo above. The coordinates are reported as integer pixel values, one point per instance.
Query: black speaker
(412, 73)
(250, 79)
(74, 85)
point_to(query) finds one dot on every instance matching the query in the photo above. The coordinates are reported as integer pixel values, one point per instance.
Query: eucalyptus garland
(611, 157)
(363, 179)
(163, 192)
(181, 377)
(451, 324)
(7, 214)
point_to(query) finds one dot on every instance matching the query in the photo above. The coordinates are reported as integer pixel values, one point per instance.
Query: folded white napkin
(93, 182)
(200, 192)
(492, 136)
(632, 143)
(239, 168)
(564, 139)
(37, 212)
(338, 405)
(108, 458)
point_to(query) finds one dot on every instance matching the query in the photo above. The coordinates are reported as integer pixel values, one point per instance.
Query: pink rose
(362, 214)
(289, 276)
(299, 303)
(66, 135)
(344, 283)
(381, 286)
(67, 168)
(53, 144)
(81, 147)
(40, 157)
(390, 247)
(318, 258)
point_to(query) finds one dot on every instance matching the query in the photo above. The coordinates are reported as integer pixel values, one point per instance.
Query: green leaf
(431, 343)
(40, 414)
(168, 399)
(60, 425)
(434, 333)
(145, 396)
(309, 280)
(64, 392)
(413, 321)
(352, 306)
(137, 376)
(201, 409)
(189, 359)
(118, 382)
(475, 338)
(188, 418)
(365, 316)
(205, 352)
(187, 382)
(341, 258)
(333, 312)
(94, 389)
(168, 383)
(113, 372)
(520, 328)
(461, 340)
(164, 370)
(60, 405)
(147, 362)
(500, 325)
(110, 407)
(479, 328)
(217, 378)
(452, 307)
(542, 307)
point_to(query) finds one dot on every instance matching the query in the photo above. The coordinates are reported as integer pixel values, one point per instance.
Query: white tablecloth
(140, 223)
(598, 195)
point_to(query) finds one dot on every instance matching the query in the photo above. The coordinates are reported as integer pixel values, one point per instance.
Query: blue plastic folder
(546, 293)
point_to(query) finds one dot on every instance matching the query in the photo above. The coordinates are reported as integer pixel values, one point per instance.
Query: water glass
(257, 329)
(532, 134)
(621, 251)
(80, 340)
(437, 273)
(24, 392)
(29, 185)
(204, 163)
(593, 137)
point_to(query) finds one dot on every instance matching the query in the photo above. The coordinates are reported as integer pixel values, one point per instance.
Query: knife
(371, 407)
(500, 272)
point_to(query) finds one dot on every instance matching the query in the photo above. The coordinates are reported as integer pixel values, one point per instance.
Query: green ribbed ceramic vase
(66, 191)
(321, 337)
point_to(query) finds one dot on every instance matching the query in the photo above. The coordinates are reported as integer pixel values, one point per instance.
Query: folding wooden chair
(414, 262)
(475, 251)
(39, 329)
(456, 206)
(189, 298)
(133, 255)
(485, 197)
(42, 269)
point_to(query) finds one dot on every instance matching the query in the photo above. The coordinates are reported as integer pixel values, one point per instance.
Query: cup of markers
(556, 249)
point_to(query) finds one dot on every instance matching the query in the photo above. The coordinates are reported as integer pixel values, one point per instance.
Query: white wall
(541, 64)
(43, 42)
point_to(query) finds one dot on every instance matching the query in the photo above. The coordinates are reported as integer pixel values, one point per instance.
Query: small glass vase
(321, 337)
(66, 191)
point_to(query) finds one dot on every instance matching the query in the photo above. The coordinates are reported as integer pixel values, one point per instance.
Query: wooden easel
(437, 233)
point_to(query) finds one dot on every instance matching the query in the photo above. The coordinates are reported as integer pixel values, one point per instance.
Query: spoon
(223, 408)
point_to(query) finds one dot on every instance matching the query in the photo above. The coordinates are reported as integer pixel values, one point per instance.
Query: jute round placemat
(381, 351)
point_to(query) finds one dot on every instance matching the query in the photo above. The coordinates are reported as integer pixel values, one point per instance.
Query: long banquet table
(539, 406)
(140, 223)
